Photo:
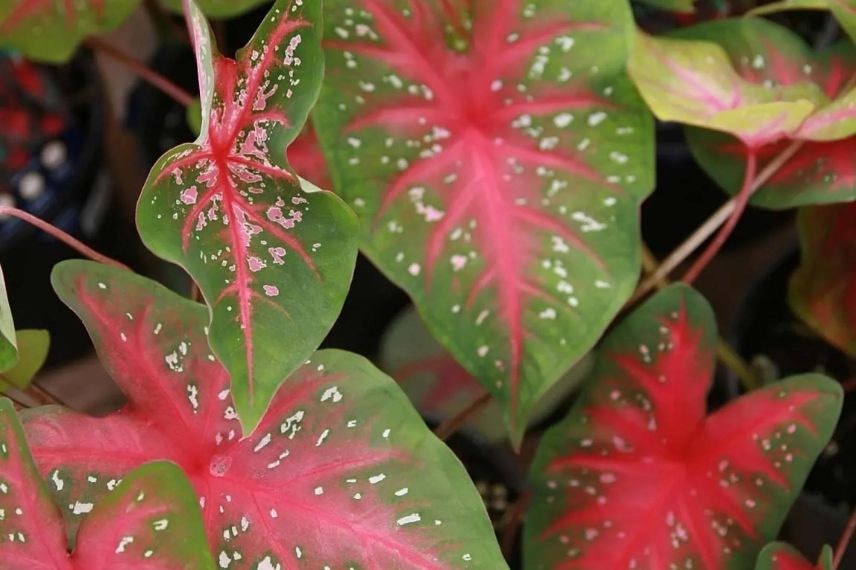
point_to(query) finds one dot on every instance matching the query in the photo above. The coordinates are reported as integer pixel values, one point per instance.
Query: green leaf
(772, 57)
(782, 556)
(31, 527)
(682, 6)
(497, 155)
(152, 520)
(273, 255)
(50, 30)
(33, 346)
(844, 10)
(823, 288)
(220, 9)
(693, 82)
(8, 344)
(342, 471)
(640, 475)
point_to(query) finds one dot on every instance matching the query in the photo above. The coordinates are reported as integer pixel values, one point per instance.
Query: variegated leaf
(497, 155)
(272, 255)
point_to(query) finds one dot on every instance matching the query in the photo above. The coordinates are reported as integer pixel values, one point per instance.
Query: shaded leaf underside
(497, 158)
(638, 476)
(823, 289)
(341, 471)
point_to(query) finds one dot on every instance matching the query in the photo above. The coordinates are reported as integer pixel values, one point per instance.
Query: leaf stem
(697, 238)
(62, 236)
(448, 428)
(513, 523)
(844, 541)
(741, 201)
(142, 71)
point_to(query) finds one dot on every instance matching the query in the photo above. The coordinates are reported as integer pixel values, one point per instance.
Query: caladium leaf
(8, 343)
(497, 155)
(694, 83)
(50, 30)
(33, 346)
(823, 289)
(440, 387)
(844, 10)
(220, 8)
(639, 476)
(151, 521)
(31, 531)
(306, 157)
(341, 472)
(272, 256)
(770, 56)
(781, 556)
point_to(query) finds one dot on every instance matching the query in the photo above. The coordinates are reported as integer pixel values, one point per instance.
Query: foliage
(638, 475)
(148, 520)
(497, 156)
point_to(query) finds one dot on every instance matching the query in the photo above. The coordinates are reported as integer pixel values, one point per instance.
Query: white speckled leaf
(50, 30)
(341, 471)
(150, 522)
(639, 475)
(771, 57)
(693, 82)
(497, 155)
(31, 530)
(272, 255)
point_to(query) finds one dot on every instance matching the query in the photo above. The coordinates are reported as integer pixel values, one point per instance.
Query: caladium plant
(265, 247)
(772, 58)
(823, 289)
(639, 476)
(149, 520)
(497, 156)
(50, 30)
(341, 471)
(781, 556)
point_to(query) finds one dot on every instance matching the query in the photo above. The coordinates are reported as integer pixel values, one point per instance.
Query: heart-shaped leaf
(781, 556)
(693, 82)
(33, 346)
(8, 343)
(341, 472)
(50, 30)
(272, 256)
(497, 155)
(220, 8)
(639, 476)
(771, 57)
(150, 521)
(823, 289)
